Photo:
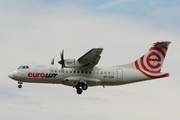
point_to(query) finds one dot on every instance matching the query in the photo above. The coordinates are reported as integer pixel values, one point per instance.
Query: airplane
(83, 73)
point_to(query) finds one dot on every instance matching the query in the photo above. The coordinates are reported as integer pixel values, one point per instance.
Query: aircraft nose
(11, 75)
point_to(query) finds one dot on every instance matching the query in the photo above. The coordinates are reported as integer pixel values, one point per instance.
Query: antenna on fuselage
(52, 62)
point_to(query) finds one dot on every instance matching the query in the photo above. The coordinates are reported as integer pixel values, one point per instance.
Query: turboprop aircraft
(82, 73)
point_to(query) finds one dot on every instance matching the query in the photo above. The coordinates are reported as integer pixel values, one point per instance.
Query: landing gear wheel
(19, 86)
(84, 87)
(80, 87)
(79, 91)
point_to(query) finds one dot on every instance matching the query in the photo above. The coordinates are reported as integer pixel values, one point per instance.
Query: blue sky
(160, 13)
(135, 8)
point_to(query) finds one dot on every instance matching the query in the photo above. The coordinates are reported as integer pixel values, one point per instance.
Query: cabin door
(119, 75)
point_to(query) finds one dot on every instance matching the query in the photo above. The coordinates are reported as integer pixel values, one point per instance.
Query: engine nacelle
(72, 63)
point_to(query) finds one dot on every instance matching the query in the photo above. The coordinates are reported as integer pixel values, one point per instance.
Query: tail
(153, 60)
(151, 63)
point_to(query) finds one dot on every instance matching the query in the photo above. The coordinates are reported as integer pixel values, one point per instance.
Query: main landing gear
(80, 87)
(20, 84)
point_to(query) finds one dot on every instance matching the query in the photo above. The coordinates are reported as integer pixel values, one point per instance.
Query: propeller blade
(62, 60)
(62, 56)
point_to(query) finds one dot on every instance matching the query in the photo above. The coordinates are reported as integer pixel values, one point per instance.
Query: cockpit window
(23, 67)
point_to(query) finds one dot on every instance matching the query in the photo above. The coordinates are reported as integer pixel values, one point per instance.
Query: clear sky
(37, 30)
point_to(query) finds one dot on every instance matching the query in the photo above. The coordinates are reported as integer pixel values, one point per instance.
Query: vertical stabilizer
(151, 63)
(153, 60)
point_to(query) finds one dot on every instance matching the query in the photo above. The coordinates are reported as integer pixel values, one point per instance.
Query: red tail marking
(148, 65)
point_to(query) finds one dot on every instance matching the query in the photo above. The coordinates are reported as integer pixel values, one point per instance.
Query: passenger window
(27, 67)
(23, 67)
(78, 71)
(66, 71)
(82, 71)
(70, 71)
(74, 71)
(89, 72)
(86, 72)
(101, 72)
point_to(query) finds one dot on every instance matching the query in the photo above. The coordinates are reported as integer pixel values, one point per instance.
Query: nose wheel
(20, 84)
(80, 87)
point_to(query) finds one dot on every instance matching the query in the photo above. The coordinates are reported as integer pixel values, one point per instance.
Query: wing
(91, 58)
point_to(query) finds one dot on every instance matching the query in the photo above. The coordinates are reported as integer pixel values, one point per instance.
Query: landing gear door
(119, 75)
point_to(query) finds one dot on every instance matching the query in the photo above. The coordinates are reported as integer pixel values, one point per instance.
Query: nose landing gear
(20, 84)
(80, 87)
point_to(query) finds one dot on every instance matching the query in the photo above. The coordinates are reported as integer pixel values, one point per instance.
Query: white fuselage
(71, 76)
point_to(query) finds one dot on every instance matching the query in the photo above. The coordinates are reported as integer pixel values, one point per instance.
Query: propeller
(62, 60)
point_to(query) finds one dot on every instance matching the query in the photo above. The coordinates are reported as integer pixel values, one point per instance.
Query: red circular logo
(152, 61)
